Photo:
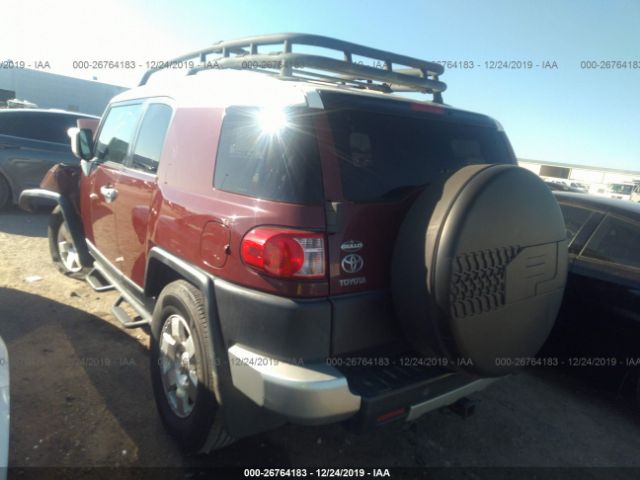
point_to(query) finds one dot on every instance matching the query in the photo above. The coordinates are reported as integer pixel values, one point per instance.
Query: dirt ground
(81, 396)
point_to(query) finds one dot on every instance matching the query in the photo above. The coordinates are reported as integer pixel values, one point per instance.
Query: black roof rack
(390, 72)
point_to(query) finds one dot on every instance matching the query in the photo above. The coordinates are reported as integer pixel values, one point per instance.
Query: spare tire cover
(479, 268)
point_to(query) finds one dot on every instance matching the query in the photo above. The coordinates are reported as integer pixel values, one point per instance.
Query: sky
(564, 114)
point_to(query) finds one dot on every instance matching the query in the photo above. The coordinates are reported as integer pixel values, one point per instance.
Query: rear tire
(183, 370)
(5, 192)
(62, 249)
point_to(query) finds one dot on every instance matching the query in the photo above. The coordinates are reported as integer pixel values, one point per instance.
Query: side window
(17, 124)
(616, 240)
(45, 127)
(281, 166)
(53, 128)
(6, 118)
(117, 133)
(148, 148)
(574, 218)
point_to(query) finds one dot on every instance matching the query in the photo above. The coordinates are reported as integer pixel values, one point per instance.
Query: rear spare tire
(479, 268)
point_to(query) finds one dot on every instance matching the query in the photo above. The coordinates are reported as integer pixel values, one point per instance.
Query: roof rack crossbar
(412, 74)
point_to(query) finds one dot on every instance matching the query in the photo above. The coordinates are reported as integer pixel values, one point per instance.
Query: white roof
(222, 88)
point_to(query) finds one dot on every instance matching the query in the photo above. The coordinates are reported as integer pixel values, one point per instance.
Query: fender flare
(205, 284)
(241, 415)
(71, 217)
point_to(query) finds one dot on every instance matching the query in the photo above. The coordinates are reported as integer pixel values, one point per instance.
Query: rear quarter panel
(188, 202)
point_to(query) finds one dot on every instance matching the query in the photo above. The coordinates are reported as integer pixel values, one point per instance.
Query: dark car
(598, 328)
(31, 142)
(310, 247)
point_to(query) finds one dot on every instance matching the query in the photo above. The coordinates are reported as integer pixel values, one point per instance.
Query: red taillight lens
(284, 253)
(283, 256)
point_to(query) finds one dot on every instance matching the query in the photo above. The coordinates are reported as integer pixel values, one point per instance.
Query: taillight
(285, 253)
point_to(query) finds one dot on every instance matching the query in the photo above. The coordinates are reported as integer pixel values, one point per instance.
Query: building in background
(609, 182)
(49, 90)
(580, 173)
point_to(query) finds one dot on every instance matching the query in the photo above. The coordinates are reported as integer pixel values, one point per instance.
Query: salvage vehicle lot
(81, 396)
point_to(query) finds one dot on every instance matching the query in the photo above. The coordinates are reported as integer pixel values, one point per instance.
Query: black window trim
(593, 214)
(586, 231)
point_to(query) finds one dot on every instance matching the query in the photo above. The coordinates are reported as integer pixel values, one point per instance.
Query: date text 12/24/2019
(317, 472)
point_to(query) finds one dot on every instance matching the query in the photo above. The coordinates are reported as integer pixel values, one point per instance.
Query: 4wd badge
(352, 263)
(351, 246)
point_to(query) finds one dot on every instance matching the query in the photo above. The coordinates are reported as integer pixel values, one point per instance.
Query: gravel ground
(81, 396)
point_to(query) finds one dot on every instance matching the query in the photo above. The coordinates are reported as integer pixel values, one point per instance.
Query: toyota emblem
(352, 263)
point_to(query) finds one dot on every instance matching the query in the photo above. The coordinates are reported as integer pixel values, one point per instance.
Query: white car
(619, 190)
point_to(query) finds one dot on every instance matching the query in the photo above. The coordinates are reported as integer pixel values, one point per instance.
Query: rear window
(386, 156)
(257, 159)
(42, 126)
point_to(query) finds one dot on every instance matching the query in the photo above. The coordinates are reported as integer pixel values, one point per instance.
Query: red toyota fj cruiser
(305, 244)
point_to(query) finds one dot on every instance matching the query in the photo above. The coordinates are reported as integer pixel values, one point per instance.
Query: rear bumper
(305, 394)
(313, 394)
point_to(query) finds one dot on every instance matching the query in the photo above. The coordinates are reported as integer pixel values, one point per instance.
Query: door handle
(109, 193)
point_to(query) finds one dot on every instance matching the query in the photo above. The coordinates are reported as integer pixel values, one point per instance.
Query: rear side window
(117, 133)
(385, 156)
(258, 160)
(574, 218)
(41, 126)
(148, 148)
(616, 240)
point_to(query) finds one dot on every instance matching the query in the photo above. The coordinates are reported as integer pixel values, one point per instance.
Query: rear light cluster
(285, 253)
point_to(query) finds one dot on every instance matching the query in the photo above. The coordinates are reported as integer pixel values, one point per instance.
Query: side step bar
(124, 318)
(98, 282)
(104, 280)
